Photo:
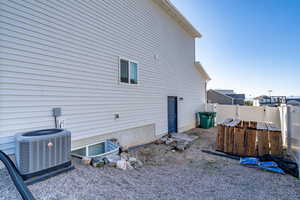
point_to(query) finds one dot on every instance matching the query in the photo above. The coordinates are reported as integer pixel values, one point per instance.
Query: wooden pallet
(248, 138)
(250, 142)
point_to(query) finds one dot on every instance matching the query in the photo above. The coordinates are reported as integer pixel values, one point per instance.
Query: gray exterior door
(172, 114)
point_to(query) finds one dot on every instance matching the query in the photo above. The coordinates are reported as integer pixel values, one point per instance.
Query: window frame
(86, 147)
(129, 71)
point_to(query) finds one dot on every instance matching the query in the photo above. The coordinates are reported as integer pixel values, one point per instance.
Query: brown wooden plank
(240, 124)
(275, 138)
(246, 124)
(263, 142)
(252, 124)
(230, 144)
(220, 138)
(226, 138)
(250, 142)
(239, 141)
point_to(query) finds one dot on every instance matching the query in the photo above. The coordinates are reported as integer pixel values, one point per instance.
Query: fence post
(283, 123)
(289, 128)
(237, 112)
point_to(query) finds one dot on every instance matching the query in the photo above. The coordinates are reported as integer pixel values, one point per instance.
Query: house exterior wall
(215, 97)
(66, 54)
(239, 101)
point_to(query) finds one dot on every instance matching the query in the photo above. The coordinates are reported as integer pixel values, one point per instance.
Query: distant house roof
(225, 91)
(262, 97)
(172, 11)
(202, 71)
(293, 98)
(215, 91)
(237, 96)
(295, 102)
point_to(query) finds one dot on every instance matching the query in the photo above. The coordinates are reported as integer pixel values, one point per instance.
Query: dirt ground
(166, 174)
(153, 154)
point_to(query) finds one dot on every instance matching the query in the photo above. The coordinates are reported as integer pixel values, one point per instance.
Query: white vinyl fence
(293, 131)
(247, 113)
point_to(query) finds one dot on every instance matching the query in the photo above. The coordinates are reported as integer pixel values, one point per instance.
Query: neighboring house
(226, 92)
(295, 101)
(238, 99)
(272, 101)
(227, 97)
(117, 69)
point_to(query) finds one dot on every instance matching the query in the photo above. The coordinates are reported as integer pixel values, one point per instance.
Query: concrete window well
(99, 149)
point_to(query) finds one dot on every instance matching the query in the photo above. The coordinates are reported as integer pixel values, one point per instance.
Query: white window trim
(87, 150)
(129, 70)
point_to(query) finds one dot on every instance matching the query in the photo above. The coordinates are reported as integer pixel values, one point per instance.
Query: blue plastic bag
(249, 161)
(273, 169)
(267, 164)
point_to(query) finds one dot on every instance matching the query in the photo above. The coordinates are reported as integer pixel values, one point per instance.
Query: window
(124, 71)
(133, 73)
(128, 71)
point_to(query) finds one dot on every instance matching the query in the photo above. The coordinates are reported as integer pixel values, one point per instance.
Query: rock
(86, 160)
(135, 163)
(170, 141)
(159, 141)
(124, 149)
(132, 159)
(124, 164)
(182, 145)
(111, 164)
(112, 160)
(164, 139)
(98, 162)
(124, 155)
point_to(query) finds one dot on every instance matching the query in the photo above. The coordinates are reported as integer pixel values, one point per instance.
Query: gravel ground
(165, 175)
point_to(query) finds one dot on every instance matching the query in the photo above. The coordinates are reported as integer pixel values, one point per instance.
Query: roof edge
(201, 69)
(172, 11)
(221, 94)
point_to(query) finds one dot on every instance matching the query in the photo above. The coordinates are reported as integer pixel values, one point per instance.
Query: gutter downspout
(289, 129)
(205, 87)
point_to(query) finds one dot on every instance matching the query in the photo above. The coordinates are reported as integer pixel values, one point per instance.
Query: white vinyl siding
(66, 54)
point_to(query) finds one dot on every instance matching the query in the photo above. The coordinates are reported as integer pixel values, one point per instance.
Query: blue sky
(250, 46)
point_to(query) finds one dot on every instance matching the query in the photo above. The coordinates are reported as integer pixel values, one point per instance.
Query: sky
(251, 46)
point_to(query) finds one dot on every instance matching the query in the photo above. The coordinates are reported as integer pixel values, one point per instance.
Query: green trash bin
(206, 120)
